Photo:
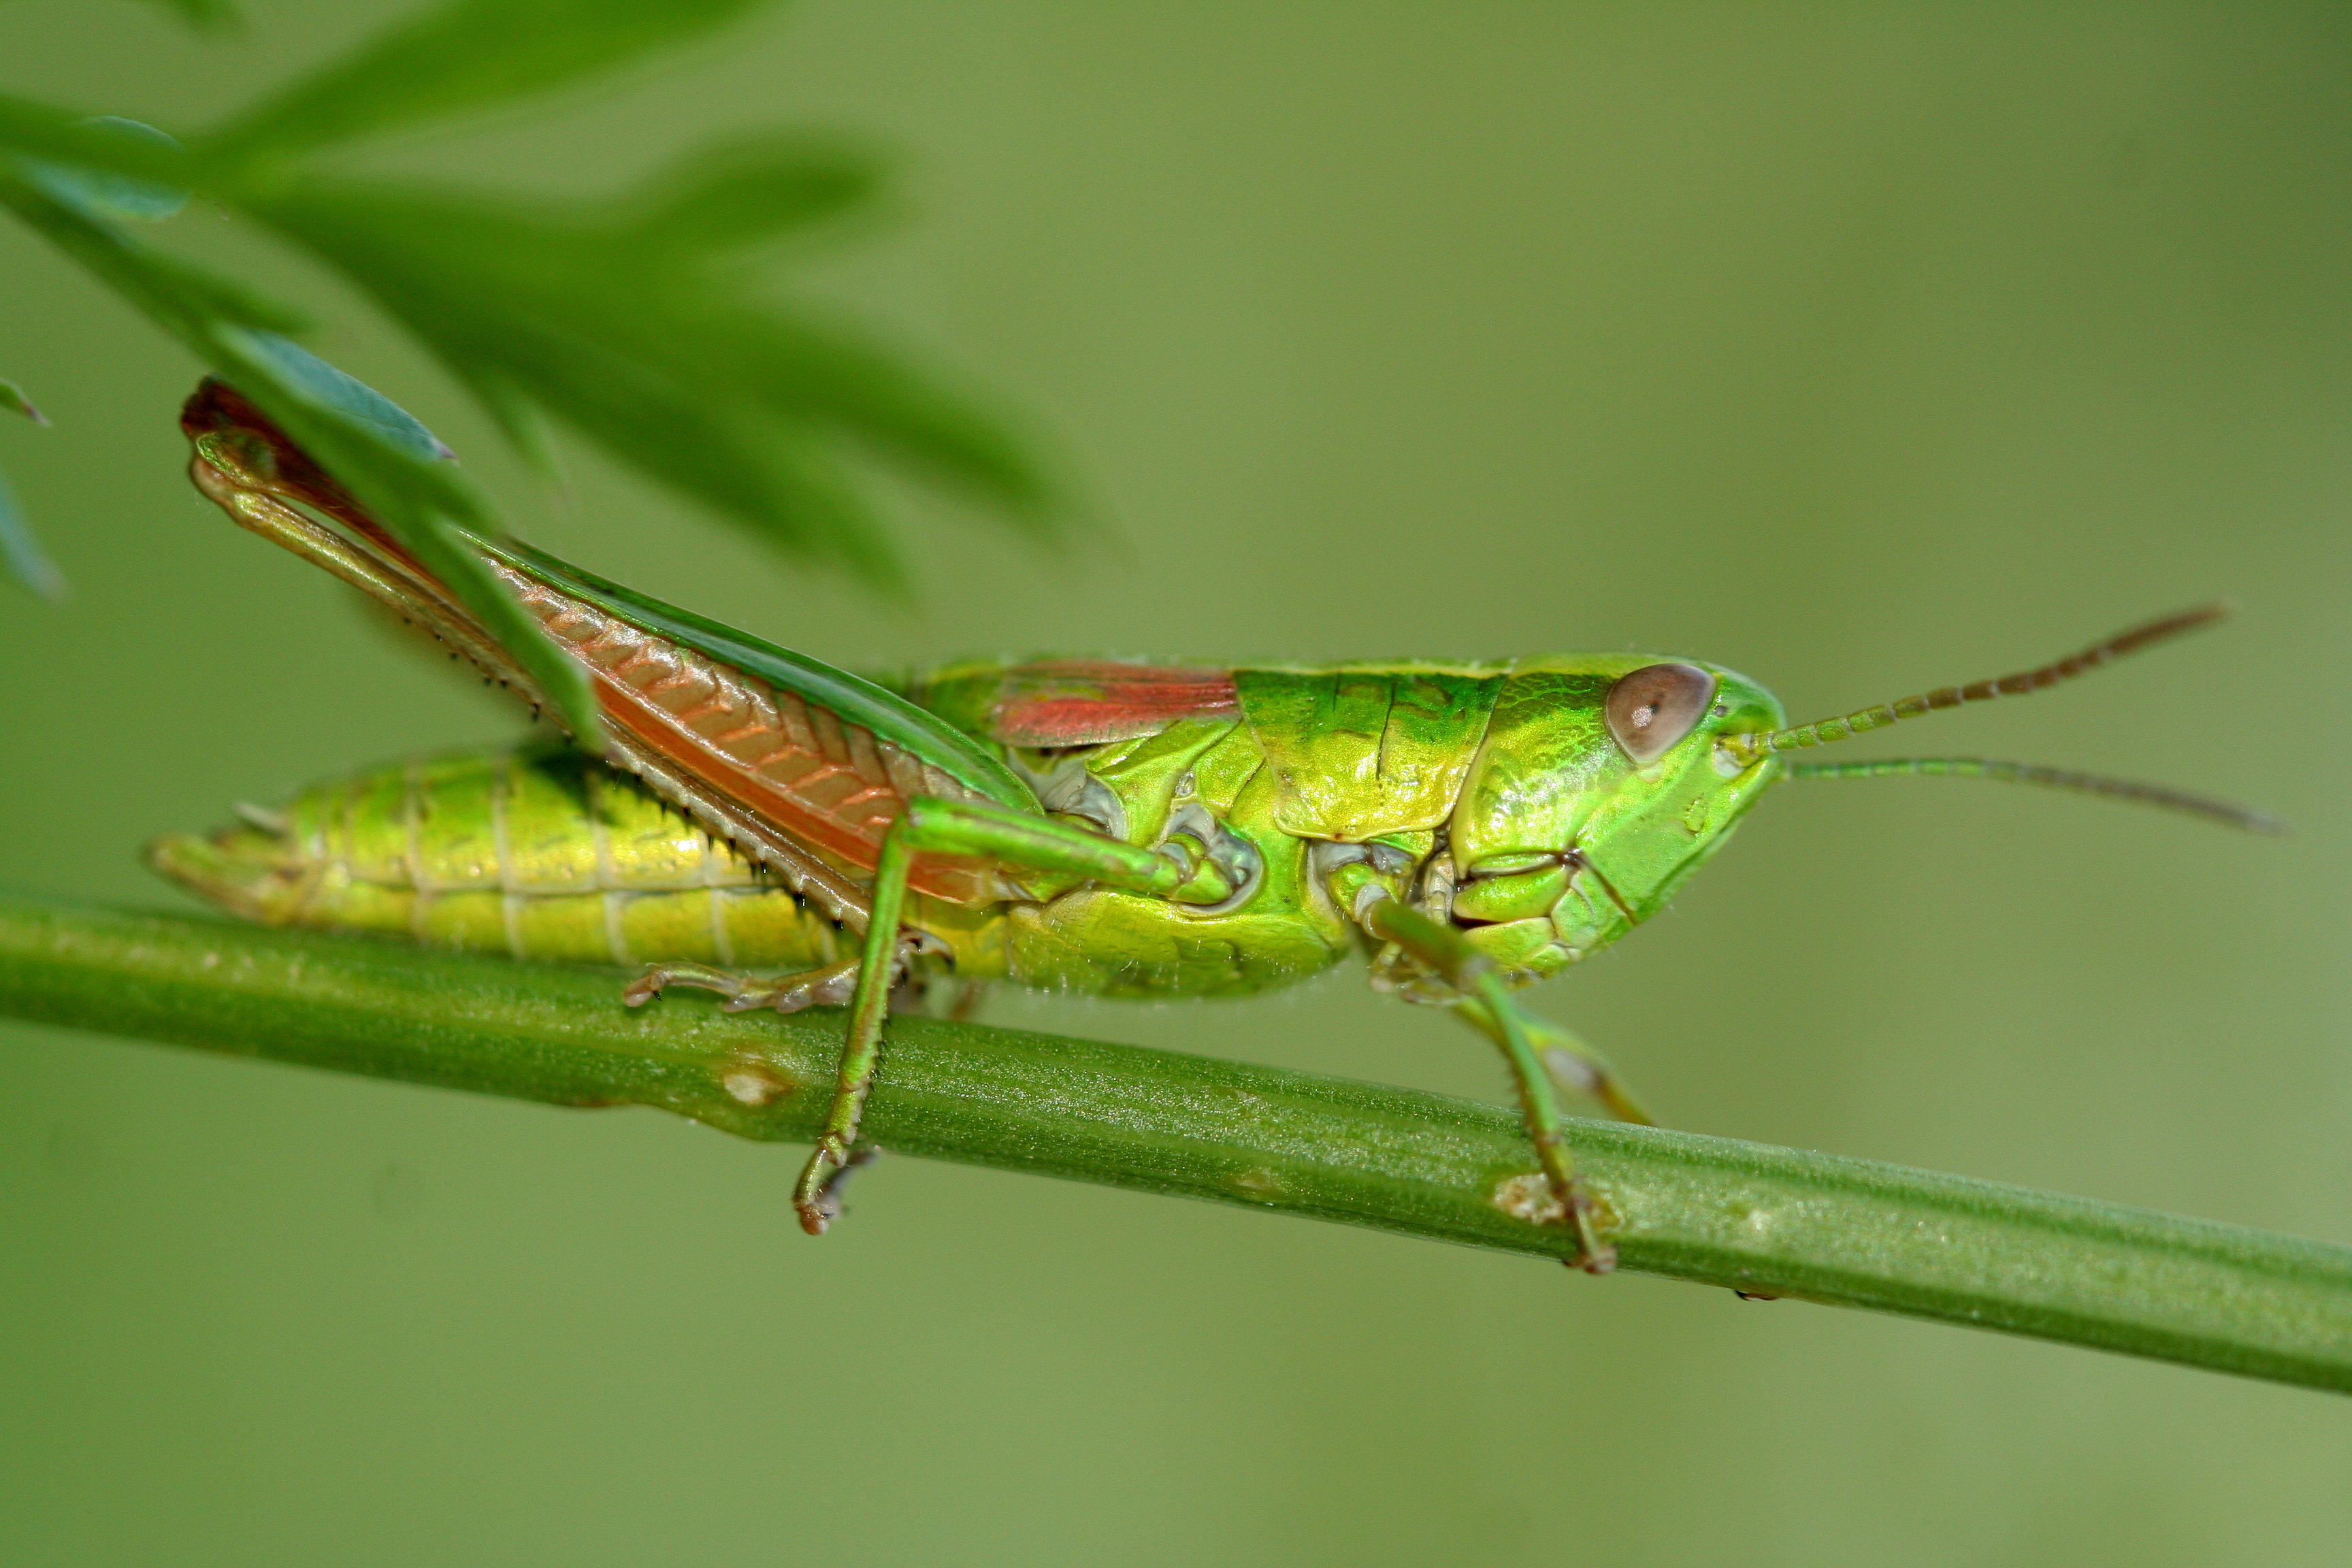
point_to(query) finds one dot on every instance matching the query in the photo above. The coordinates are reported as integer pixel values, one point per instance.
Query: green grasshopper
(1112, 828)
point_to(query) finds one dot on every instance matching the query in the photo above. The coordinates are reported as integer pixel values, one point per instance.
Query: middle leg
(827, 987)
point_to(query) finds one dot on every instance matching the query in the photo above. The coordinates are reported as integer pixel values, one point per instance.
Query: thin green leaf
(465, 56)
(424, 502)
(14, 401)
(92, 141)
(26, 561)
(214, 296)
(185, 300)
(205, 15)
(106, 194)
(182, 297)
(415, 493)
(516, 417)
(739, 194)
(20, 551)
(625, 319)
(352, 398)
(693, 436)
(670, 363)
(830, 375)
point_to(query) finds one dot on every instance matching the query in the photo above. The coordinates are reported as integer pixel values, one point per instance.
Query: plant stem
(1770, 1221)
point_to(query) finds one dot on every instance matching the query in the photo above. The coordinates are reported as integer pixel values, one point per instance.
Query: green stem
(1776, 1222)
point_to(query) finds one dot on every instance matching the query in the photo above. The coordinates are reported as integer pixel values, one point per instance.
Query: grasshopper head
(1606, 779)
(1603, 782)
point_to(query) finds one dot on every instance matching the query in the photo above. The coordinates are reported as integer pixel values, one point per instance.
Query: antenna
(1749, 747)
(2206, 806)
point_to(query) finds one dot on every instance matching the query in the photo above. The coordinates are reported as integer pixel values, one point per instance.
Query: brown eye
(1656, 706)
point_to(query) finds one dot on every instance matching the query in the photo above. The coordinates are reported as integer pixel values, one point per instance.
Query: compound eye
(1657, 705)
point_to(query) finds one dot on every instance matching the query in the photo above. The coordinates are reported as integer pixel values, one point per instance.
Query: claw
(817, 1197)
(819, 1210)
(817, 1214)
(1593, 1255)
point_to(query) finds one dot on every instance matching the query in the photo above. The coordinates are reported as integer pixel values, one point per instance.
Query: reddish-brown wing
(834, 786)
(1082, 702)
(787, 779)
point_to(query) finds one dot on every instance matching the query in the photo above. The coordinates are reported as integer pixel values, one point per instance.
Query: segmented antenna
(2211, 810)
(1747, 748)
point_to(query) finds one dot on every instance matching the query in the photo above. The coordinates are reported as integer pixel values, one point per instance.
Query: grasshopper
(787, 834)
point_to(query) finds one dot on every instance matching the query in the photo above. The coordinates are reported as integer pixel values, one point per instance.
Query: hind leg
(831, 986)
(948, 828)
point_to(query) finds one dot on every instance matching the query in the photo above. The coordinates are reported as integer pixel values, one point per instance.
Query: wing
(1083, 702)
(802, 765)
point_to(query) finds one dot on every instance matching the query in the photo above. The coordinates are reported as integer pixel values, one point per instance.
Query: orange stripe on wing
(831, 785)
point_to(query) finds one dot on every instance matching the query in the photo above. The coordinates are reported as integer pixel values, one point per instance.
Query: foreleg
(1449, 953)
(1575, 1065)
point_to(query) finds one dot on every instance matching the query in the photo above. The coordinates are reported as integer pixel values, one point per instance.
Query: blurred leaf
(518, 419)
(432, 512)
(594, 312)
(205, 15)
(464, 56)
(180, 296)
(633, 320)
(741, 193)
(366, 443)
(410, 488)
(92, 141)
(352, 398)
(26, 561)
(14, 401)
(103, 192)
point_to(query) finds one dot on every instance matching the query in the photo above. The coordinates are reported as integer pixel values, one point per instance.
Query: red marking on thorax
(1080, 702)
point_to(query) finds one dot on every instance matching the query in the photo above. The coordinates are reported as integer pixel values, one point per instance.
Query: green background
(1863, 348)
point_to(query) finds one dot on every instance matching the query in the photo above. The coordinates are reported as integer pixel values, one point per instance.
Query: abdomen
(535, 852)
